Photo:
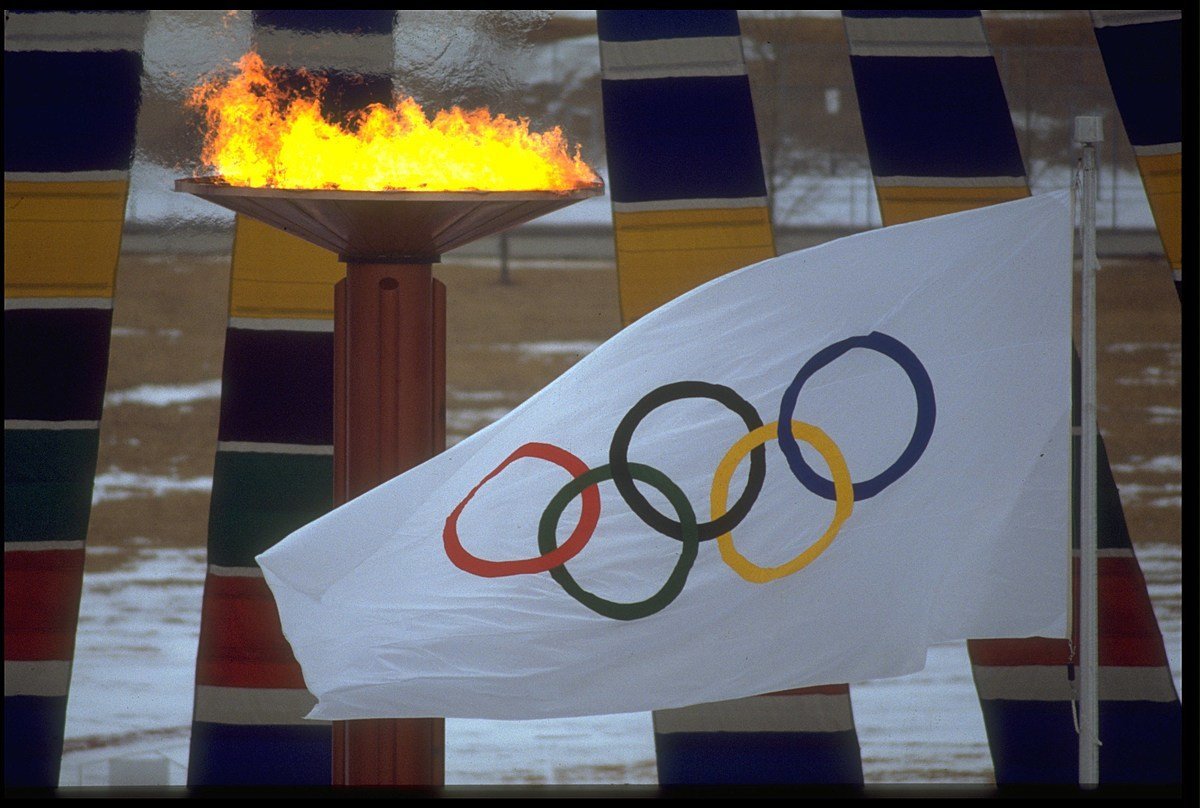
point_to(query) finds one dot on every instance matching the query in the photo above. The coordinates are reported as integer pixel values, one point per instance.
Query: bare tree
(804, 106)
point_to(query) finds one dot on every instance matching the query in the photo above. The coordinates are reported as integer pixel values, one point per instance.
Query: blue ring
(899, 353)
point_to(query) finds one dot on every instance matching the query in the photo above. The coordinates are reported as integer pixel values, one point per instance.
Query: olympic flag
(806, 471)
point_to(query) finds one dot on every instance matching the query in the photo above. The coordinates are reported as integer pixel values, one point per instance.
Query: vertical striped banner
(940, 139)
(689, 204)
(72, 86)
(1143, 56)
(937, 126)
(274, 460)
(685, 172)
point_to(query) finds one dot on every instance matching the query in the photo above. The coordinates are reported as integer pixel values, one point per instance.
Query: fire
(261, 135)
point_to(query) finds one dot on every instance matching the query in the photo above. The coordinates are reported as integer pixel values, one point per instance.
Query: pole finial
(1089, 129)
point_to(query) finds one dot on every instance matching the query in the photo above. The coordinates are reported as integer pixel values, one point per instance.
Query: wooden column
(389, 416)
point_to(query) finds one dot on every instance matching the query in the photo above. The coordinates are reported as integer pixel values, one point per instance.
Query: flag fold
(806, 471)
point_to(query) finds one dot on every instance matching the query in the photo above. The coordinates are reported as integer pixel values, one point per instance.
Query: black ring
(618, 458)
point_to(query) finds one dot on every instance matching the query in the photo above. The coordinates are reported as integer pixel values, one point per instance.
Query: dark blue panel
(33, 740)
(758, 758)
(681, 138)
(935, 117)
(374, 21)
(1035, 742)
(1032, 741)
(241, 755)
(70, 111)
(277, 387)
(910, 13)
(1142, 742)
(642, 24)
(55, 361)
(1145, 68)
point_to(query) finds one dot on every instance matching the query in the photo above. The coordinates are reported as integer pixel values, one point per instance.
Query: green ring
(548, 542)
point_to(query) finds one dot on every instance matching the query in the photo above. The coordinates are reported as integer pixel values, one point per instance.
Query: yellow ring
(842, 486)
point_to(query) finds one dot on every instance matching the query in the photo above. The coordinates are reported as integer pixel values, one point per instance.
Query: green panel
(48, 476)
(258, 498)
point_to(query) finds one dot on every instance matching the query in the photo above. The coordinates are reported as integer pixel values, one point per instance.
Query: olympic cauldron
(389, 369)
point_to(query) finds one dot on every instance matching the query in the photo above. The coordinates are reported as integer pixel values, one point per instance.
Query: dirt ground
(169, 327)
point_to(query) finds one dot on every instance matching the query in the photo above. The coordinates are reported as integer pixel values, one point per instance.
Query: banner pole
(1088, 132)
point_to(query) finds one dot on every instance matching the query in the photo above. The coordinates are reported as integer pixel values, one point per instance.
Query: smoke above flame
(260, 134)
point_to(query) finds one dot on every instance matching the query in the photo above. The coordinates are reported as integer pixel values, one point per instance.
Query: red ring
(588, 517)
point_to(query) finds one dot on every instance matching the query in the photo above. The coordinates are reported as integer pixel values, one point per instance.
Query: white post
(1088, 132)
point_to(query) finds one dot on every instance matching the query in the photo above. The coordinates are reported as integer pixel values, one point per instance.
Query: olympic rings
(923, 429)
(678, 577)
(585, 482)
(588, 518)
(720, 493)
(618, 457)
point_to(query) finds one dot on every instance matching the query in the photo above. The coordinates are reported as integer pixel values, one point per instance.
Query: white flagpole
(1088, 132)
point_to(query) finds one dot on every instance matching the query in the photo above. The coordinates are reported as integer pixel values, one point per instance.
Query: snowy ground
(131, 696)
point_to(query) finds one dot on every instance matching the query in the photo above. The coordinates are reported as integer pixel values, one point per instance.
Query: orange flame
(261, 135)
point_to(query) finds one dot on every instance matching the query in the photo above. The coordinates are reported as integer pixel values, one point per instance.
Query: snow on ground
(165, 395)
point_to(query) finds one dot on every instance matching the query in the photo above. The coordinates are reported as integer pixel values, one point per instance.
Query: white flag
(806, 471)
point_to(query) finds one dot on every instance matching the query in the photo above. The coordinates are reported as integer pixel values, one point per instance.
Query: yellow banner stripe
(1162, 176)
(280, 276)
(900, 204)
(62, 239)
(662, 254)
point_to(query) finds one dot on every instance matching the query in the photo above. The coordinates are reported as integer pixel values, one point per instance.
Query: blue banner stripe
(33, 740)
(277, 387)
(873, 13)
(373, 21)
(1145, 69)
(55, 361)
(70, 111)
(239, 755)
(1034, 742)
(758, 758)
(682, 138)
(642, 24)
(935, 117)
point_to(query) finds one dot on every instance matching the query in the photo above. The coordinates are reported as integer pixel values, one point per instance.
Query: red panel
(241, 641)
(1030, 651)
(1129, 634)
(41, 603)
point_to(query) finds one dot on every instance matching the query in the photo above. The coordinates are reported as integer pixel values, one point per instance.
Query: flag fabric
(72, 86)
(903, 397)
(666, 76)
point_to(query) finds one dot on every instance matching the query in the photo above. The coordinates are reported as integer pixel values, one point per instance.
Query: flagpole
(1088, 132)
